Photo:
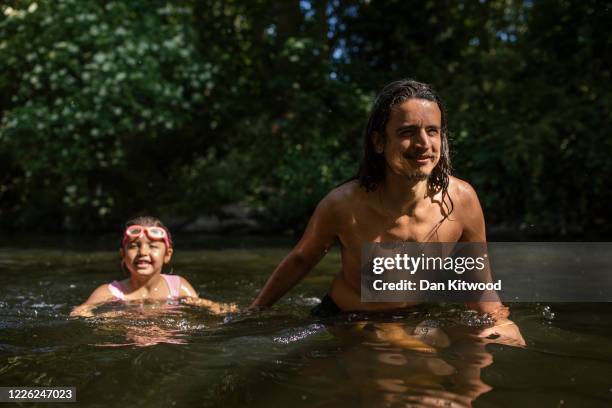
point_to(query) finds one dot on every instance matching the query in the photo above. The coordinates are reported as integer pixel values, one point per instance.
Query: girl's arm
(100, 295)
(190, 296)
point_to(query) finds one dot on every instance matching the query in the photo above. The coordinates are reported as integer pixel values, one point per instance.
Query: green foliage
(86, 78)
(293, 131)
(526, 85)
(177, 108)
(318, 149)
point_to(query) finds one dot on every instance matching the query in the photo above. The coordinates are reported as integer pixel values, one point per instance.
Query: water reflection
(385, 360)
(421, 363)
(282, 357)
(147, 336)
(144, 324)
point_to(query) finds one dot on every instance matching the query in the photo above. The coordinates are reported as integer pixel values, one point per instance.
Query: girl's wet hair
(148, 221)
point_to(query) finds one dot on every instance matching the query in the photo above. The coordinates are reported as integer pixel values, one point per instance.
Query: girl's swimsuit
(173, 282)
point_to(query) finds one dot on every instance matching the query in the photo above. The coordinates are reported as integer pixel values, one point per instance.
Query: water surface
(156, 355)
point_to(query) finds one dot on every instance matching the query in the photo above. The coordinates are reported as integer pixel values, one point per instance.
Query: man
(402, 192)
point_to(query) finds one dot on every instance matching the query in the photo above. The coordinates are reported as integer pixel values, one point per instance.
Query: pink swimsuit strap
(173, 282)
(115, 289)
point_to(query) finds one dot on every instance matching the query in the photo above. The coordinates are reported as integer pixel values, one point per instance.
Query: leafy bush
(86, 79)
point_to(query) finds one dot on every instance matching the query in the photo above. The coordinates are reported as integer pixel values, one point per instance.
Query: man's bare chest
(375, 227)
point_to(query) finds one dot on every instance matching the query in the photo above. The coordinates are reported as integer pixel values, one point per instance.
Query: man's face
(413, 137)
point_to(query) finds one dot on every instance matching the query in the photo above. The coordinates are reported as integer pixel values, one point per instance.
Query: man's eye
(433, 132)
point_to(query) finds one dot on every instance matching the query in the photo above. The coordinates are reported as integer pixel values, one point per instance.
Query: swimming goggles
(154, 233)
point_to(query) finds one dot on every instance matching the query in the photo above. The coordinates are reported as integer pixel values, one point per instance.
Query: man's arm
(319, 236)
(504, 331)
(472, 219)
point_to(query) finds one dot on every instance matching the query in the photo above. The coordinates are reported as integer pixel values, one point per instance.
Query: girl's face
(145, 257)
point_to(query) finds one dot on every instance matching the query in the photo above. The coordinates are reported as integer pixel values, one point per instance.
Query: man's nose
(422, 139)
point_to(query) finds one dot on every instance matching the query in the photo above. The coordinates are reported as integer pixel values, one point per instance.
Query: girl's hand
(214, 307)
(85, 310)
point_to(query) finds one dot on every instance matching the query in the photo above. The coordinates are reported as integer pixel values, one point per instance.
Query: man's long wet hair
(372, 167)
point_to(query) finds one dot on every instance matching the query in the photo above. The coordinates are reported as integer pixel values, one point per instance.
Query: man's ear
(378, 141)
(121, 252)
(168, 255)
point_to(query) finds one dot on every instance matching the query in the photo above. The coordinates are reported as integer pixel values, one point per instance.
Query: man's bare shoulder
(467, 209)
(462, 193)
(343, 198)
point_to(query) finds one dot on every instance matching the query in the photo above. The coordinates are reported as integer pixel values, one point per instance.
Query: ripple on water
(297, 334)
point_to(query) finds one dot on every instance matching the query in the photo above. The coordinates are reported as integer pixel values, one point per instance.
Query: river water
(154, 355)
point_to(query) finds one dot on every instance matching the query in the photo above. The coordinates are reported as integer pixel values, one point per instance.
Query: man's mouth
(421, 159)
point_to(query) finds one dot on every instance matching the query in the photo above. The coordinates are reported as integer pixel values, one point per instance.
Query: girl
(146, 247)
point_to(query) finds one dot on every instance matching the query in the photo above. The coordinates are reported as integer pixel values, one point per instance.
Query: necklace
(426, 238)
